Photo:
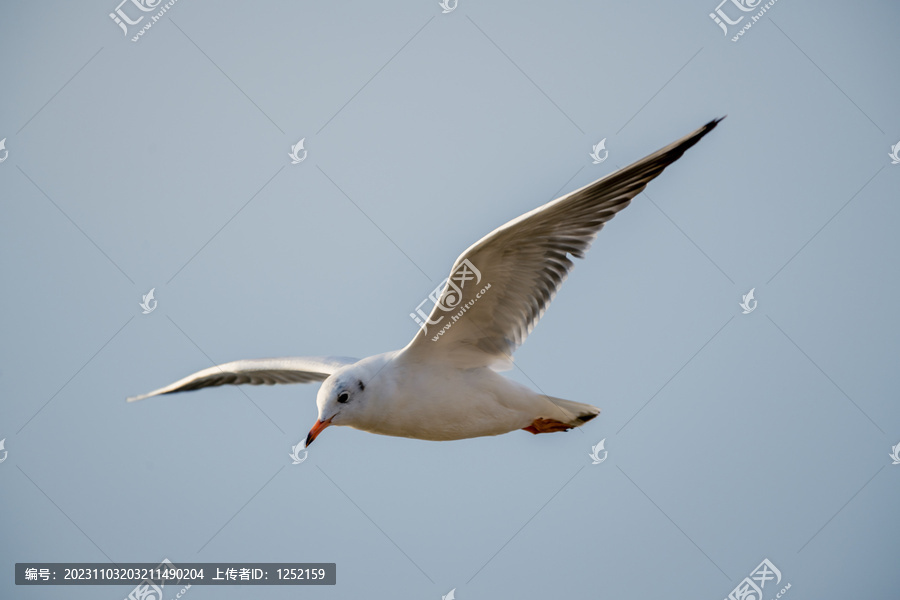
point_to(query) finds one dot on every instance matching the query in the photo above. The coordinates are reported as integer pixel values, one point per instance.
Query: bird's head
(341, 396)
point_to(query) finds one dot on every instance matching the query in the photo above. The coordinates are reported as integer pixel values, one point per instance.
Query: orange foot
(547, 426)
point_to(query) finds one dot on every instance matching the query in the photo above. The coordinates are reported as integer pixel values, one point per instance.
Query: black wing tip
(679, 147)
(712, 124)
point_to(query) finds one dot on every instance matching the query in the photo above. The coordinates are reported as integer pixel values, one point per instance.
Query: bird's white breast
(434, 402)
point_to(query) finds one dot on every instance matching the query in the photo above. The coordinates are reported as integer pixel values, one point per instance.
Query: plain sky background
(164, 164)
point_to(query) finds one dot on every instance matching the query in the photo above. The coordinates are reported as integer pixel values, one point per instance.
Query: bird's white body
(444, 385)
(406, 398)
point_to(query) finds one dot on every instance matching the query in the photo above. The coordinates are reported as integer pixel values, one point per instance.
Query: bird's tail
(571, 413)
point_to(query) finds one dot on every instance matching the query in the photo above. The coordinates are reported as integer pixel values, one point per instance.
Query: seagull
(445, 384)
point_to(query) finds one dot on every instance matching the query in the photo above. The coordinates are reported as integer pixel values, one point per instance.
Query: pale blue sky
(164, 164)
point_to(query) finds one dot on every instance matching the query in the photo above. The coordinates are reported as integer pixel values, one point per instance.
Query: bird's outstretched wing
(524, 262)
(257, 371)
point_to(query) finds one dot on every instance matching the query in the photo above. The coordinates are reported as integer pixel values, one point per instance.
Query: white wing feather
(258, 371)
(526, 261)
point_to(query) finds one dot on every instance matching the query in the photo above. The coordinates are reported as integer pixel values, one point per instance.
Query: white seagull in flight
(446, 387)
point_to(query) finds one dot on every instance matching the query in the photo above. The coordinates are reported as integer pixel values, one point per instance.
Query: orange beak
(316, 430)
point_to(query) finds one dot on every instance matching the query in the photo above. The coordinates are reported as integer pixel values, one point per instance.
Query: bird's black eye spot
(362, 386)
(343, 397)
